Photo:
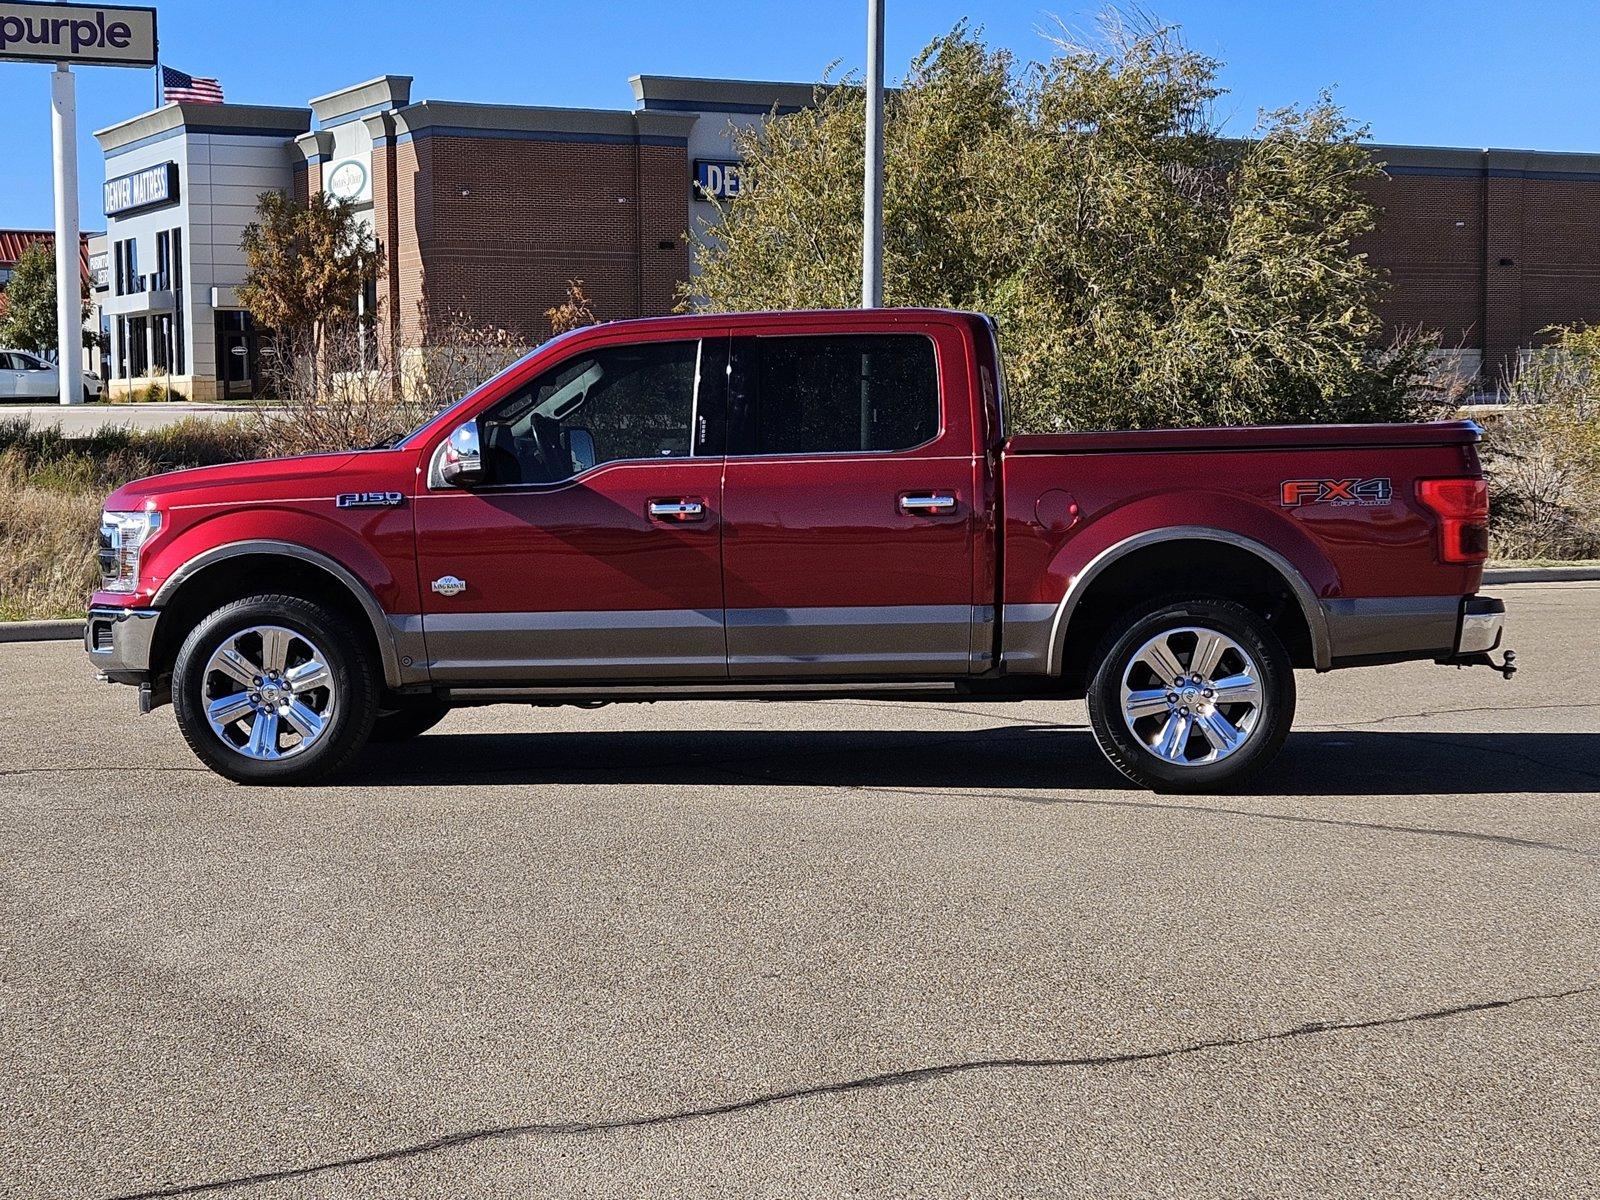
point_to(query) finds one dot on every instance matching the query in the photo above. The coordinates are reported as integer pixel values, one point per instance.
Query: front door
(594, 552)
(235, 355)
(849, 508)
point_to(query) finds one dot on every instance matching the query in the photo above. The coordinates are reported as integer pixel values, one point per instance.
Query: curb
(41, 631)
(1542, 575)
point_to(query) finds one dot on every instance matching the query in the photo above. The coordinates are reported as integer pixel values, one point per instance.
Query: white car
(25, 376)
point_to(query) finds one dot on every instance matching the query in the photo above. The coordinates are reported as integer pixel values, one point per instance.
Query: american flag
(176, 87)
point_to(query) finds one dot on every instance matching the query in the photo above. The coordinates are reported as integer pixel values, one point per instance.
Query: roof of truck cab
(796, 316)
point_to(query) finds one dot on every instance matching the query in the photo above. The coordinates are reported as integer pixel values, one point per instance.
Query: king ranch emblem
(1342, 493)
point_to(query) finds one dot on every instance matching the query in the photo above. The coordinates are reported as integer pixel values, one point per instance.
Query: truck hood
(265, 478)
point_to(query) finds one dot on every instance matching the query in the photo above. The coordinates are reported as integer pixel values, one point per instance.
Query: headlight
(122, 537)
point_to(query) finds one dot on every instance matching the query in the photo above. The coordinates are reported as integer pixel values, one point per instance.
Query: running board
(648, 693)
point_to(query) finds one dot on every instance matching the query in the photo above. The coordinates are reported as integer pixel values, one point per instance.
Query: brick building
(488, 210)
(1488, 247)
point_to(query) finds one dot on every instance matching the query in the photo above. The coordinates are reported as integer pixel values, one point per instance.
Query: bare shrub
(1542, 454)
(572, 313)
(358, 390)
(455, 356)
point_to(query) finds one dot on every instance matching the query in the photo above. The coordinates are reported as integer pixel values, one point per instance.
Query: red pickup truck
(788, 506)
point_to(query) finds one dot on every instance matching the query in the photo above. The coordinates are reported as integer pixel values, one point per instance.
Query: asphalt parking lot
(813, 950)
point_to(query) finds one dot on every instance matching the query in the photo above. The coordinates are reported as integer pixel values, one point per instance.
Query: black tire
(403, 724)
(354, 682)
(1137, 758)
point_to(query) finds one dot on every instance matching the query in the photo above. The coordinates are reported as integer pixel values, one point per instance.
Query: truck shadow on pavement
(1033, 761)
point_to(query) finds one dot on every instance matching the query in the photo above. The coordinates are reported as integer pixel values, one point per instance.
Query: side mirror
(462, 463)
(580, 448)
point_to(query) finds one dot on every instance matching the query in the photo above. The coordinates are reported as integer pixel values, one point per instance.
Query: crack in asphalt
(1446, 712)
(889, 1079)
(1172, 806)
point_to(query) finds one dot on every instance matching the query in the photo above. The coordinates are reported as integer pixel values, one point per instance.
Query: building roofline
(246, 119)
(384, 91)
(715, 95)
(1462, 160)
(489, 119)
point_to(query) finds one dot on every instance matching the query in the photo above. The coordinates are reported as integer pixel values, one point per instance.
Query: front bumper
(119, 642)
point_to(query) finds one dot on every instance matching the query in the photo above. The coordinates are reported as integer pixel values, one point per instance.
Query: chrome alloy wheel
(268, 693)
(1192, 696)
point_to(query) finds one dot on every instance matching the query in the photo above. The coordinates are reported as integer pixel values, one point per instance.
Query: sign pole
(872, 197)
(69, 281)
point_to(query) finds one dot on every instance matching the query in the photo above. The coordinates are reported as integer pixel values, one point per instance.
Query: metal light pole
(872, 201)
(69, 283)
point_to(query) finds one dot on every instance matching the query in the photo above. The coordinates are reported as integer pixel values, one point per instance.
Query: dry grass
(47, 550)
(51, 491)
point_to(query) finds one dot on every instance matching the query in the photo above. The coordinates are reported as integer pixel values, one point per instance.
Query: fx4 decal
(369, 499)
(1341, 492)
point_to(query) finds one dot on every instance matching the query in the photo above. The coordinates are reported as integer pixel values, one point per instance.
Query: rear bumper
(1400, 628)
(119, 640)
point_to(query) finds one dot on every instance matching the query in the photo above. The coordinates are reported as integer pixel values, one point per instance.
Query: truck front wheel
(274, 689)
(1191, 695)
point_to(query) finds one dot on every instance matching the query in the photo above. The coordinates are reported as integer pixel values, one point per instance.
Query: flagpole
(157, 79)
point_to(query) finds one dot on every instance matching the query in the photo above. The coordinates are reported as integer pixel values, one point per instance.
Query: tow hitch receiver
(1507, 667)
(1478, 633)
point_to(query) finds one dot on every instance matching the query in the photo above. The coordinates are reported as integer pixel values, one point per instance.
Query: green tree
(307, 264)
(28, 320)
(1144, 269)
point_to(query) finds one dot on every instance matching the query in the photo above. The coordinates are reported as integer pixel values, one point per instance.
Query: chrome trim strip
(1316, 620)
(981, 646)
(1025, 631)
(376, 617)
(1386, 625)
(911, 639)
(609, 644)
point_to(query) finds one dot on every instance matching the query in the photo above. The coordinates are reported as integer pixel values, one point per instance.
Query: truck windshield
(401, 442)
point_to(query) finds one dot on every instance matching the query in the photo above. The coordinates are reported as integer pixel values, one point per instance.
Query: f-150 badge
(449, 585)
(369, 499)
(1340, 492)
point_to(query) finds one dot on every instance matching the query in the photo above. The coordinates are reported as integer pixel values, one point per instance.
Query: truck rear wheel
(275, 690)
(1191, 695)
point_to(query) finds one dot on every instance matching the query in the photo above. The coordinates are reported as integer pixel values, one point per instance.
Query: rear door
(595, 552)
(8, 375)
(848, 506)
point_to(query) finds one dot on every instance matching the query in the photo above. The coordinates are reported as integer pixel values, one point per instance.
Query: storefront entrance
(238, 367)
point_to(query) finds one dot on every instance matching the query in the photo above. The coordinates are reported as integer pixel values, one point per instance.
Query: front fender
(326, 544)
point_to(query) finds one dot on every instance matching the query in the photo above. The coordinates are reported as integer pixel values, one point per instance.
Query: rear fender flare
(1310, 607)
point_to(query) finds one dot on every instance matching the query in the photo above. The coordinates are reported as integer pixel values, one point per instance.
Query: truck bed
(1245, 437)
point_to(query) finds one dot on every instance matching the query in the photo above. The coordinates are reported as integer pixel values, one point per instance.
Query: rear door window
(833, 394)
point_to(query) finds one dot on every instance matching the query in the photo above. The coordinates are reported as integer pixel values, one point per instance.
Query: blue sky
(1418, 71)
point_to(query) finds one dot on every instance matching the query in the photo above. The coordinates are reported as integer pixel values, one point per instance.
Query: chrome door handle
(927, 502)
(677, 510)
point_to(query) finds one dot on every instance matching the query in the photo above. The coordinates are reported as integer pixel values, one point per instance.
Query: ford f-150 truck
(788, 506)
